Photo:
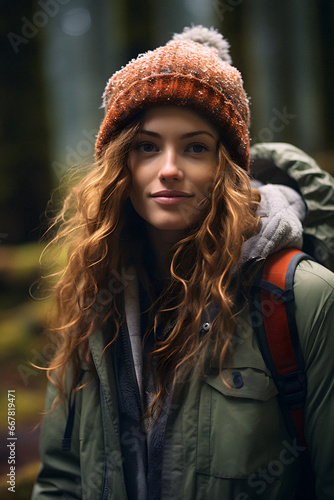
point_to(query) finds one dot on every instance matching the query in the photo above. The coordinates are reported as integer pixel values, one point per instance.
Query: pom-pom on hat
(192, 70)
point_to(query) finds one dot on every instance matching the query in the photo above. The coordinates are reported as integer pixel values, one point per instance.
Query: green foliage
(22, 320)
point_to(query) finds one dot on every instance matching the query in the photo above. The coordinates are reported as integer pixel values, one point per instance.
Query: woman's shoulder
(313, 284)
(314, 307)
(314, 314)
(309, 271)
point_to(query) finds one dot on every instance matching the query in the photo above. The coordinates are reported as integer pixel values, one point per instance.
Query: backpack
(281, 163)
(273, 299)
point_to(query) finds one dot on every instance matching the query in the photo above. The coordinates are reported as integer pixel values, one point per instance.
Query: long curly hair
(91, 225)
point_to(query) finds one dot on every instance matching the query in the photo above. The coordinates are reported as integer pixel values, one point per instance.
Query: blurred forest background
(56, 56)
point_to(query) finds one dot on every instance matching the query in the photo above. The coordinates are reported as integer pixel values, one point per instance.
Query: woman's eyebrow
(199, 132)
(183, 136)
(148, 132)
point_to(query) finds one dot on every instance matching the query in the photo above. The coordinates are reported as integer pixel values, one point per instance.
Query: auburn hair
(203, 266)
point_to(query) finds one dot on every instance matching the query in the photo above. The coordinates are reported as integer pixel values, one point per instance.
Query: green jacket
(222, 441)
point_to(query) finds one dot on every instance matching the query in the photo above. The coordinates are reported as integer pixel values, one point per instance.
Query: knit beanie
(192, 70)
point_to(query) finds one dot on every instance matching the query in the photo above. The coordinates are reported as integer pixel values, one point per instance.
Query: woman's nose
(169, 169)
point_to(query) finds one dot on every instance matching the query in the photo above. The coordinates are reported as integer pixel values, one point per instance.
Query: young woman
(158, 388)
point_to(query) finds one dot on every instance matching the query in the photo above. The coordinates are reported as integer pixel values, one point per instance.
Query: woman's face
(173, 162)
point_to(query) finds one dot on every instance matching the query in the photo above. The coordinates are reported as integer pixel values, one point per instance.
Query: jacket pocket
(238, 423)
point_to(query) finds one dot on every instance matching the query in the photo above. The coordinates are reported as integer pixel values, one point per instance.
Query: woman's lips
(171, 197)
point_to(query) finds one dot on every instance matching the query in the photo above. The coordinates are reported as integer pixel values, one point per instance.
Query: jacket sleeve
(59, 475)
(314, 313)
(282, 163)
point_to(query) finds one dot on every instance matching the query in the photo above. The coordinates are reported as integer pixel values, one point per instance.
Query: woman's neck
(162, 241)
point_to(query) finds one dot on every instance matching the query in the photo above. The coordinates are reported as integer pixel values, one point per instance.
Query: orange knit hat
(192, 70)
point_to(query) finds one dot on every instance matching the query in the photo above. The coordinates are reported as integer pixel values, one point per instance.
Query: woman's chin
(168, 226)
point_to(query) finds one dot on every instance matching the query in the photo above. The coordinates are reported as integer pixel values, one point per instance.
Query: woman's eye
(197, 148)
(146, 147)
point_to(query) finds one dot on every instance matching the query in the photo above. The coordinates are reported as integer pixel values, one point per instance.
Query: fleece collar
(282, 212)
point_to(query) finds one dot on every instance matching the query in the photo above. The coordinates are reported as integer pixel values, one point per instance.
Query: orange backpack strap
(273, 319)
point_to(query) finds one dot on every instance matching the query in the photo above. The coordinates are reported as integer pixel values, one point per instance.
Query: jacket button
(237, 380)
(206, 326)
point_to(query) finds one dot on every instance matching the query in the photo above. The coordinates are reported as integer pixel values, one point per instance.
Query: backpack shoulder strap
(272, 313)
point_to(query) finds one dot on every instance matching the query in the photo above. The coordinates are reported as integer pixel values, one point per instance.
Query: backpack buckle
(292, 389)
